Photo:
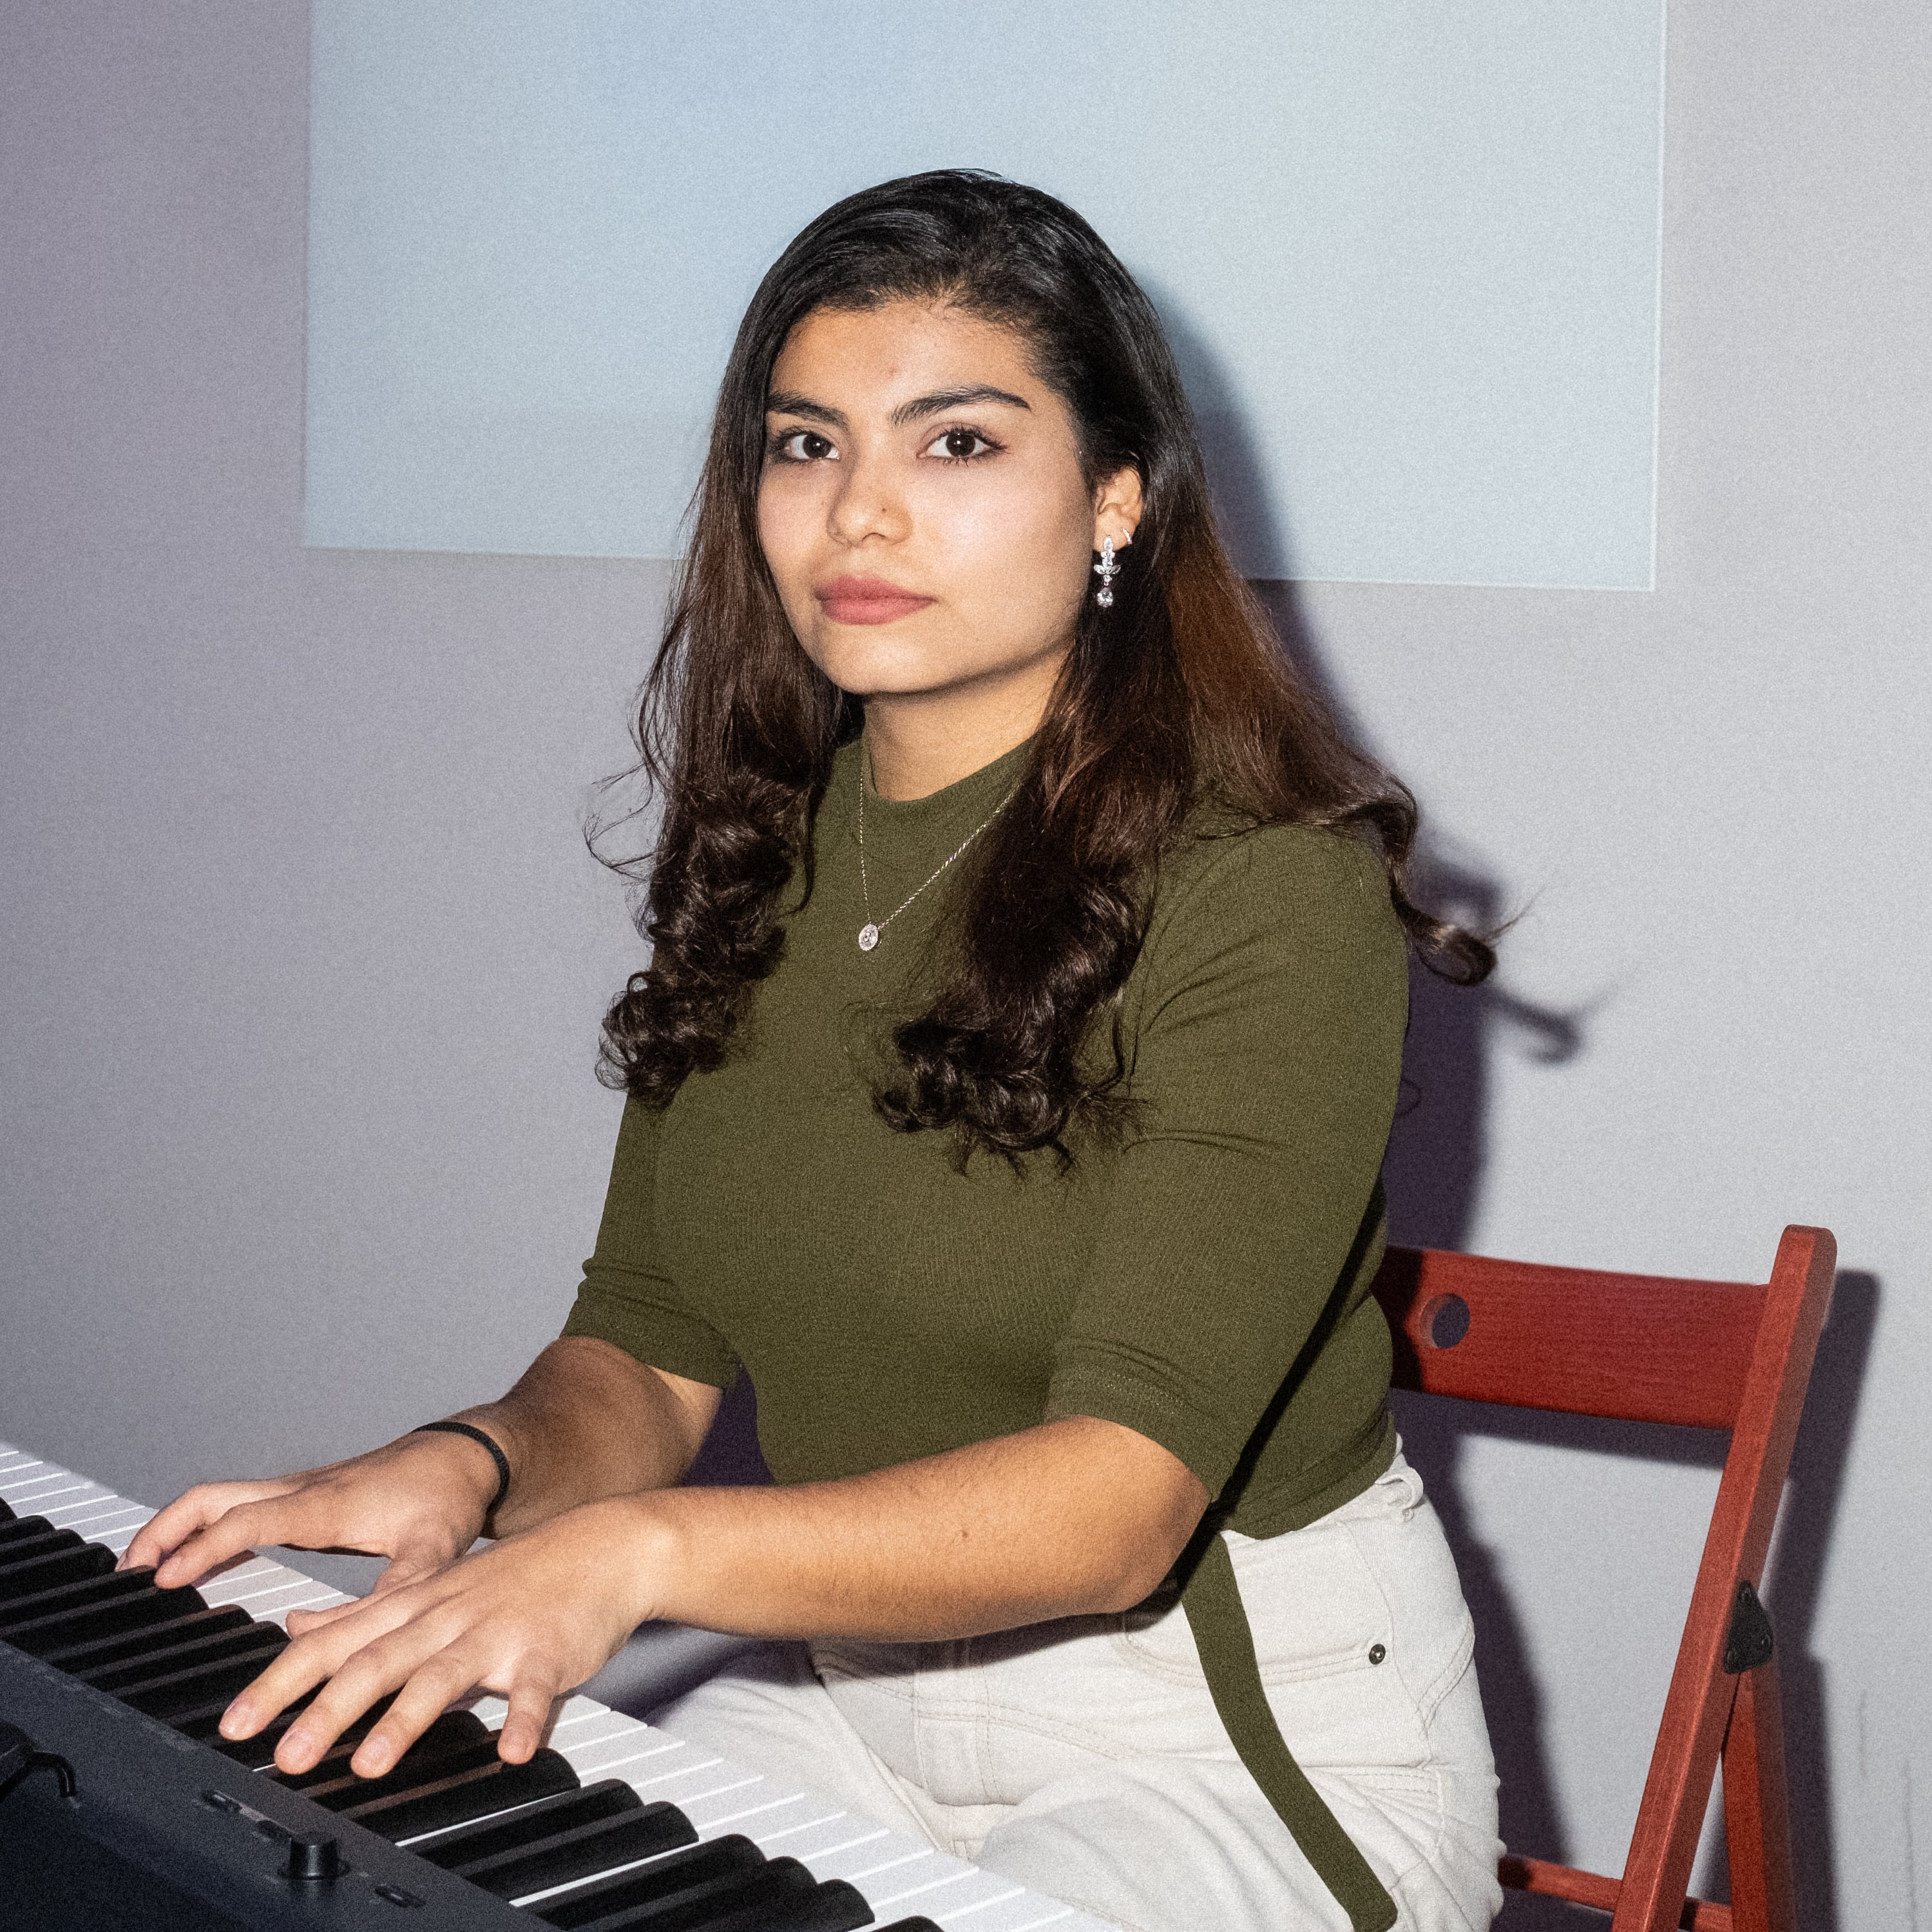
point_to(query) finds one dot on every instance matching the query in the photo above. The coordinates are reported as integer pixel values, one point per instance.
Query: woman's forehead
(906, 345)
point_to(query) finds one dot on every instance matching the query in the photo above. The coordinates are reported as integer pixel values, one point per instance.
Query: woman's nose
(869, 503)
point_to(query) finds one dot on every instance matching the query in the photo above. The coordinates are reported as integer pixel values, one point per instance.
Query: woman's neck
(919, 743)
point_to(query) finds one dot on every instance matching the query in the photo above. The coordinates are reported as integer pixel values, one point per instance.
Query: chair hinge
(1747, 1644)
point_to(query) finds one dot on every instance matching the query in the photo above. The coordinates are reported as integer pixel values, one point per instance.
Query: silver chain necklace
(869, 933)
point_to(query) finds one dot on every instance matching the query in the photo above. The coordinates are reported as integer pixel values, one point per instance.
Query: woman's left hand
(530, 1619)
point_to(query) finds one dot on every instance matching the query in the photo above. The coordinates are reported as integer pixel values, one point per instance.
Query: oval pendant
(869, 938)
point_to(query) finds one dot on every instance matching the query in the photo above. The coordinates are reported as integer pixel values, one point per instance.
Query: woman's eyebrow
(790, 403)
(942, 400)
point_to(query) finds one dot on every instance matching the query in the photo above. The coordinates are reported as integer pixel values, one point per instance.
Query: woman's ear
(1117, 507)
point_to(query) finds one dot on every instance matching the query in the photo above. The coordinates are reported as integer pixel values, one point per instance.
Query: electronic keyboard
(111, 1690)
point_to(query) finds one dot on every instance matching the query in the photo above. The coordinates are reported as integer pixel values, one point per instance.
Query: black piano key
(21, 1617)
(610, 1798)
(454, 1731)
(673, 1875)
(18, 1529)
(6, 1510)
(910, 1925)
(458, 1797)
(835, 1906)
(103, 1614)
(332, 1784)
(35, 1542)
(132, 1674)
(762, 1896)
(580, 1851)
(75, 1563)
(146, 1639)
(194, 1688)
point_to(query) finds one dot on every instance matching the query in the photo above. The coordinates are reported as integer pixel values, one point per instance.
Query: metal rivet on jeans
(1377, 1651)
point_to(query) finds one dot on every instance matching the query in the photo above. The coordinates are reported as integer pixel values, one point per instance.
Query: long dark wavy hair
(1179, 696)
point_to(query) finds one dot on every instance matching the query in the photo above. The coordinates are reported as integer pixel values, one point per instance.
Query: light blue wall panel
(1408, 252)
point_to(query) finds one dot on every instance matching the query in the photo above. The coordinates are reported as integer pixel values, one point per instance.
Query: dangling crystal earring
(1106, 570)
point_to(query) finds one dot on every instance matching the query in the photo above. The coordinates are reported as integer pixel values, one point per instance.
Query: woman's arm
(585, 1421)
(1071, 1518)
(1076, 1516)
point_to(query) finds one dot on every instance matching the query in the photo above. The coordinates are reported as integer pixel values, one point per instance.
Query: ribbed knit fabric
(1204, 1281)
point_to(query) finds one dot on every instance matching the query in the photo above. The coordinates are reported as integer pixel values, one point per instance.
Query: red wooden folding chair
(1703, 1355)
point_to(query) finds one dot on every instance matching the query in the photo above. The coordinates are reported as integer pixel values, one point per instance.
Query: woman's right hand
(420, 1501)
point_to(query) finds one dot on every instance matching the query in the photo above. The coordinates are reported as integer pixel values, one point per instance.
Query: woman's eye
(960, 445)
(801, 445)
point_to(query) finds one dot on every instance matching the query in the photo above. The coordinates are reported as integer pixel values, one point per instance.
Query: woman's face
(922, 506)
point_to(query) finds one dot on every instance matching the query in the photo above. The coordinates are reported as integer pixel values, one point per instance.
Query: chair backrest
(1705, 1355)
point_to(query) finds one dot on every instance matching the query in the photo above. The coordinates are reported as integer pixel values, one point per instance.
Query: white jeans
(1083, 1758)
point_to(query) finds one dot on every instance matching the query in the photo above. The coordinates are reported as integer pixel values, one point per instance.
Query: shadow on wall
(1433, 1170)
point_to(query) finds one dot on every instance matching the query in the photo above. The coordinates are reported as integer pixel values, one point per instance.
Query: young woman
(1008, 1090)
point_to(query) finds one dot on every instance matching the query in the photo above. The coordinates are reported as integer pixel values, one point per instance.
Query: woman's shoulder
(1269, 934)
(1229, 869)
(1277, 911)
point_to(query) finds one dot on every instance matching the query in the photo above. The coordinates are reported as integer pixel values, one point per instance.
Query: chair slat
(1637, 1347)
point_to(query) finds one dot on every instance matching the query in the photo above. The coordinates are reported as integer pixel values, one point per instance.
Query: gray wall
(303, 957)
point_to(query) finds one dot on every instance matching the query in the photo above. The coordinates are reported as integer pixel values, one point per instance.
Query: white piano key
(99, 1517)
(31, 1495)
(78, 1497)
(1031, 1912)
(760, 1811)
(819, 1840)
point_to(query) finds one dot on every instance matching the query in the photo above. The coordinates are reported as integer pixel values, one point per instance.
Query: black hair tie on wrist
(476, 1435)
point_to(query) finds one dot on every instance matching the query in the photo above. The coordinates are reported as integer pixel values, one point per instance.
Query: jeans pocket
(1315, 1606)
(1314, 1610)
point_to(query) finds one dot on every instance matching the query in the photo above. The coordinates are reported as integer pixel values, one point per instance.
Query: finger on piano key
(191, 1689)
(454, 1731)
(258, 1753)
(338, 1787)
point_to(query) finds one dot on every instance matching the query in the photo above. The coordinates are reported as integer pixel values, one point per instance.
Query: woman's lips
(868, 600)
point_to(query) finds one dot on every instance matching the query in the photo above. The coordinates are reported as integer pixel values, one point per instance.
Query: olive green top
(1203, 1278)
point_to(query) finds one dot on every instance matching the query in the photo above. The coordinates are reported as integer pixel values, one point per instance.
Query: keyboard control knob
(313, 1859)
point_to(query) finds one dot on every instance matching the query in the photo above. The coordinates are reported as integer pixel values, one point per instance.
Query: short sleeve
(1266, 1051)
(626, 1297)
